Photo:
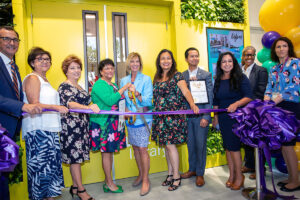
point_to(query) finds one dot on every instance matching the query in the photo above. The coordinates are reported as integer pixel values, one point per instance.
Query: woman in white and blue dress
(138, 133)
(40, 131)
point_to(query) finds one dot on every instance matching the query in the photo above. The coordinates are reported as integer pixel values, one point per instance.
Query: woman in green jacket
(107, 131)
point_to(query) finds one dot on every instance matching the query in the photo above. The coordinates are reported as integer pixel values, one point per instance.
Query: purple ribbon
(9, 152)
(264, 126)
(112, 112)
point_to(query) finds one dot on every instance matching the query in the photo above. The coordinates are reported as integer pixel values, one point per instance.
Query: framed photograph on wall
(223, 40)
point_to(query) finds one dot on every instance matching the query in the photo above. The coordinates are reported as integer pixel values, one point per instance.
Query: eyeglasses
(250, 55)
(109, 68)
(8, 39)
(46, 60)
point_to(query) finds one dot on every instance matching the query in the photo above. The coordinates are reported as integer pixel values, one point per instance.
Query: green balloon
(263, 55)
(268, 64)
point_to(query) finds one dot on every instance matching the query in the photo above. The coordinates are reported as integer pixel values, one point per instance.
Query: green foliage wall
(6, 15)
(214, 10)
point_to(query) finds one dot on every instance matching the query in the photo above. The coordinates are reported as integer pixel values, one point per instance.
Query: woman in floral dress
(106, 131)
(74, 137)
(170, 93)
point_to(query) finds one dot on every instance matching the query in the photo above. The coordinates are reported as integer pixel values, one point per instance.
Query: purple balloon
(268, 38)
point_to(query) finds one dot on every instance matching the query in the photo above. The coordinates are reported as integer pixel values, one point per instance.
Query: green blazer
(104, 96)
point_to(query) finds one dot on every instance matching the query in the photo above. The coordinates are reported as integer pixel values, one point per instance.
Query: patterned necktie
(14, 78)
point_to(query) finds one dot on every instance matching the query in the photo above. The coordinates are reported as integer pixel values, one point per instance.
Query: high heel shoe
(71, 190)
(238, 187)
(174, 187)
(107, 189)
(83, 191)
(166, 182)
(228, 184)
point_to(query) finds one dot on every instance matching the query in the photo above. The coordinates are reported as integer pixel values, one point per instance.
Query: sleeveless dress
(43, 156)
(74, 137)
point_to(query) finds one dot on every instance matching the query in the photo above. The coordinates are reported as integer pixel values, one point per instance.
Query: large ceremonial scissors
(131, 119)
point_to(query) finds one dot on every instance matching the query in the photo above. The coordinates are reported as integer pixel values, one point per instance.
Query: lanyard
(280, 70)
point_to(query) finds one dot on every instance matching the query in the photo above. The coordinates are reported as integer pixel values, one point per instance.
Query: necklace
(43, 76)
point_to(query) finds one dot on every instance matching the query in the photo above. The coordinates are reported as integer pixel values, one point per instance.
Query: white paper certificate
(199, 91)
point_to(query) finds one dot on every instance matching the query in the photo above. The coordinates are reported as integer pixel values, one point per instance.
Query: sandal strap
(177, 179)
(171, 175)
(82, 191)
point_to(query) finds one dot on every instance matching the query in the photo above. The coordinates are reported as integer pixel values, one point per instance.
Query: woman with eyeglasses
(40, 131)
(107, 132)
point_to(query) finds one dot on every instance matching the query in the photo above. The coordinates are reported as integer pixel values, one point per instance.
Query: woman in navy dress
(232, 90)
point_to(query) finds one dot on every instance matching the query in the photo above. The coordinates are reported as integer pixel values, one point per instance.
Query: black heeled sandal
(71, 190)
(174, 187)
(83, 191)
(166, 182)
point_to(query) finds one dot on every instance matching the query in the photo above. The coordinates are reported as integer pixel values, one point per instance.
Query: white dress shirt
(248, 70)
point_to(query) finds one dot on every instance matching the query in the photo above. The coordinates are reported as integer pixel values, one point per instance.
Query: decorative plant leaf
(6, 14)
(214, 142)
(214, 10)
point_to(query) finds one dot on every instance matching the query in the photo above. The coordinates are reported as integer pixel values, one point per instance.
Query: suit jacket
(10, 105)
(258, 80)
(203, 75)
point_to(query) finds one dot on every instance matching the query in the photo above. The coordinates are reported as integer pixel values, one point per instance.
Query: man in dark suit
(197, 124)
(11, 95)
(258, 77)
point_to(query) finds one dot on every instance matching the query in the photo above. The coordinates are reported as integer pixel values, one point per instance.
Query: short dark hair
(35, 52)
(9, 28)
(68, 60)
(186, 53)
(291, 52)
(159, 70)
(103, 63)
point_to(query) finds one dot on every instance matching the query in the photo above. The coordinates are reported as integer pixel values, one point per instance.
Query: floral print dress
(167, 96)
(108, 137)
(74, 137)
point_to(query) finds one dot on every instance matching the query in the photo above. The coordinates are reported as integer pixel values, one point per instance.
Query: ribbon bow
(262, 125)
(9, 152)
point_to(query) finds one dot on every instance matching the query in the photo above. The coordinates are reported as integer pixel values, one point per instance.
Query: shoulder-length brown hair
(159, 70)
(291, 52)
(67, 62)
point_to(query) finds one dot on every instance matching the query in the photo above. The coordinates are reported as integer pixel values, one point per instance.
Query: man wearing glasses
(258, 77)
(11, 94)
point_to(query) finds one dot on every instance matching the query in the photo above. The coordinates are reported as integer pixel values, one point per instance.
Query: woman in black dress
(74, 137)
(232, 90)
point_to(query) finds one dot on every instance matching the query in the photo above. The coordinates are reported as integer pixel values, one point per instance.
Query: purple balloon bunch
(261, 122)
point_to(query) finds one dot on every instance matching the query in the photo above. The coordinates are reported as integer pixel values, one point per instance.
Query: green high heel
(107, 189)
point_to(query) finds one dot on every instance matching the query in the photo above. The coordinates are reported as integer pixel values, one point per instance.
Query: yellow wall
(57, 27)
